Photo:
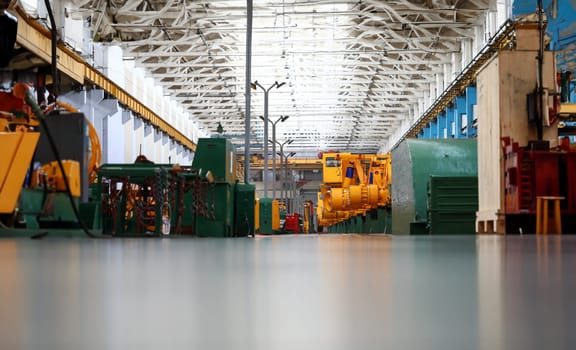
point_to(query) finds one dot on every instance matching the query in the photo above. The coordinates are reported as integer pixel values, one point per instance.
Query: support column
(426, 132)
(451, 124)
(434, 129)
(441, 121)
(116, 141)
(157, 137)
(447, 76)
(479, 39)
(471, 101)
(165, 146)
(128, 128)
(458, 112)
(439, 86)
(456, 64)
(138, 138)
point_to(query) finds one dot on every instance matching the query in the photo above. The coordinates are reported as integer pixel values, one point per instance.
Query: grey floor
(289, 292)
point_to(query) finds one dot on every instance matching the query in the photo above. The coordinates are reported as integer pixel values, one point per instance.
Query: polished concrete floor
(289, 292)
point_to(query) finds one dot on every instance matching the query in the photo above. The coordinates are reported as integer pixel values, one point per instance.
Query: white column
(478, 39)
(431, 95)
(128, 129)
(138, 138)
(116, 139)
(456, 64)
(447, 67)
(439, 85)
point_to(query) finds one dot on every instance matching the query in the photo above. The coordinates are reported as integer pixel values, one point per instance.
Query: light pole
(281, 154)
(286, 177)
(274, 142)
(253, 86)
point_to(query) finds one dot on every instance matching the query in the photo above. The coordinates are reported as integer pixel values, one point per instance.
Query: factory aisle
(336, 292)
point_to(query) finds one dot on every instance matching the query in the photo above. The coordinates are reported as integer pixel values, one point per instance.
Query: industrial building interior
(326, 174)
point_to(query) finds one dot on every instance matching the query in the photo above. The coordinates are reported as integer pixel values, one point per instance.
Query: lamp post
(286, 173)
(280, 119)
(253, 86)
(281, 154)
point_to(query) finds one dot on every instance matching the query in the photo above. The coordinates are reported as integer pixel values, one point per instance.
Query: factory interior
(260, 174)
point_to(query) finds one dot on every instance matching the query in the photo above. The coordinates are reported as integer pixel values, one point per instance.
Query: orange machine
(17, 151)
(18, 142)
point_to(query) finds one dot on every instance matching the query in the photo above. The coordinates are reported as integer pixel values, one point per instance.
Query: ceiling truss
(353, 69)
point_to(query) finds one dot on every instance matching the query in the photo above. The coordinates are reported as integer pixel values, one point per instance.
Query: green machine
(244, 210)
(269, 216)
(134, 198)
(203, 200)
(452, 204)
(226, 206)
(414, 162)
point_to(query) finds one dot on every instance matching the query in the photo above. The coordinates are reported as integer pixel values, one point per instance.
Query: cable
(40, 115)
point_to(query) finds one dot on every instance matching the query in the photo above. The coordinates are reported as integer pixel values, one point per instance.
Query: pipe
(55, 80)
(539, 128)
(248, 87)
(266, 141)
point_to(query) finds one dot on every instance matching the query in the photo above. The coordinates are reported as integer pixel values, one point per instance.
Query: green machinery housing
(435, 186)
(203, 200)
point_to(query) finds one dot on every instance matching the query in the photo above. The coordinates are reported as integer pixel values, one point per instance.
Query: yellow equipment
(256, 214)
(275, 215)
(95, 148)
(352, 185)
(18, 147)
(50, 175)
(17, 151)
(381, 171)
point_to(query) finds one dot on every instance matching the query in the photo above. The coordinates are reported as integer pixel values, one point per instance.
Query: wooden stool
(542, 214)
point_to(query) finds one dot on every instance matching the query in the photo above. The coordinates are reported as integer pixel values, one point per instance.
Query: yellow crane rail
(36, 38)
(296, 164)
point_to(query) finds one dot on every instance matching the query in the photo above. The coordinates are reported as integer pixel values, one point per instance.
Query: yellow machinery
(17, 151)
(256, 214)
(95, 148)
(19, 141)
(18, 145)
(353, 184)
(307, 222)
(50, 175)
(269, 216)
(381, 172)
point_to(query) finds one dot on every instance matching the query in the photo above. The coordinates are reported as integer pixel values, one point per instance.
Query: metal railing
(503, 37)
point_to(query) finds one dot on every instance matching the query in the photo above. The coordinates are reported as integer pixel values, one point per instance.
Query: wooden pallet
(490, 222)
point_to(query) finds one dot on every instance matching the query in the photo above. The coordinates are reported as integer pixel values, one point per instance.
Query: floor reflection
(305, 292)
(526, 292)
